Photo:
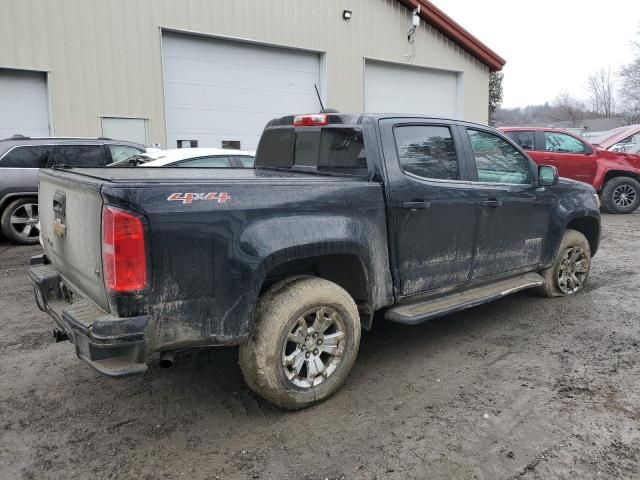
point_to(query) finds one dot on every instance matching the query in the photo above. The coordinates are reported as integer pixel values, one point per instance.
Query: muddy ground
(523, 388)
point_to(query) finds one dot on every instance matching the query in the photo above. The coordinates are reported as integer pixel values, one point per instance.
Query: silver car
(20, 159)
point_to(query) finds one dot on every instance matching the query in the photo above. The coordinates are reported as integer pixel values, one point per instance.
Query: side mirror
(547, 175)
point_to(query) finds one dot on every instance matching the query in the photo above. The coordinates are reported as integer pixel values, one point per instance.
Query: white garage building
(213, 72)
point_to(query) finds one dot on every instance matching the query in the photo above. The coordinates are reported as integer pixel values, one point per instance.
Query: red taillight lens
(316, 120)
(123, 252)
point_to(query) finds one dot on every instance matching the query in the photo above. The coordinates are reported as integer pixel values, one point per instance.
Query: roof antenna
(318, 94)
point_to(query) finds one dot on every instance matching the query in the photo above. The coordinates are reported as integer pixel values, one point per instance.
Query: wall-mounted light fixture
(346, 14)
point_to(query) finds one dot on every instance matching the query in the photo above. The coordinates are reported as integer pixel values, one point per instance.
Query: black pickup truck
(345, 218)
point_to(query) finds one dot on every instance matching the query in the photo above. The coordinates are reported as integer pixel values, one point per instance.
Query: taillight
(123, 252)
(313, 120)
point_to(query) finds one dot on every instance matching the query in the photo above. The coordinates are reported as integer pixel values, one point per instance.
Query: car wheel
(570, 270)
(620, 195)
(305, 341)
(19, 221)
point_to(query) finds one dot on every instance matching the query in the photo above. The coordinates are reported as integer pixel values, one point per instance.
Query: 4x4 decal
(187, 198)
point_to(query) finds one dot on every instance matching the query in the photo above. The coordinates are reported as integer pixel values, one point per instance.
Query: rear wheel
(570, 270)
(621, 195)
(19, 221)
(305, 342)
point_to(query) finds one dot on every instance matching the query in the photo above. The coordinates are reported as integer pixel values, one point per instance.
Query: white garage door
(221, 92)
(23, 104)
(392, 88)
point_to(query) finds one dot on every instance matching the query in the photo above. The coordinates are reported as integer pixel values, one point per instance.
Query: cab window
(427, 151)
(497, 161)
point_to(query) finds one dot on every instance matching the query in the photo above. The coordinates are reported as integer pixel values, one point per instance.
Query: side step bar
(418, 312)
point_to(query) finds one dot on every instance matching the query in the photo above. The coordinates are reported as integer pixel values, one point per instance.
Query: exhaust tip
(166, 359)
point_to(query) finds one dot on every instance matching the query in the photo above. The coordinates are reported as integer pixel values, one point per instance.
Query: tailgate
(70, 208)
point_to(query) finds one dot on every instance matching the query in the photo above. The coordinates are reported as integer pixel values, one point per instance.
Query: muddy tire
(620, 195)
(305, 341)
(19, 221)
(570, 270)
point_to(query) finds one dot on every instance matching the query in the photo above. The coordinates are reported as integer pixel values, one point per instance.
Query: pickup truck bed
(208, 257)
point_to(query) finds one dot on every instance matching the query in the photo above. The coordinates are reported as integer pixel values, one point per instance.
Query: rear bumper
(112, 345)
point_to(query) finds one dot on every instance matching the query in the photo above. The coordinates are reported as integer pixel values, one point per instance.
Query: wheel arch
(10, 197)
(590, 228)
(610, 174)
(344, 268)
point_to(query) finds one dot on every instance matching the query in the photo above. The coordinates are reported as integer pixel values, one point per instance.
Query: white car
(192, 157)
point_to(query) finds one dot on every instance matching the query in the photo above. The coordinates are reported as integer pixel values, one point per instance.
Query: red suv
(614, 175)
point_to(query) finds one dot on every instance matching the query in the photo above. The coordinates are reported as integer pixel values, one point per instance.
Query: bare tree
(630, 89)
(602, 89)
(566, 107)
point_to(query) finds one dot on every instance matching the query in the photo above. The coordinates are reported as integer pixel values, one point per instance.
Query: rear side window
(246, 162)
(205, 162)
(524, 139)
(427, 151)
(78, 155)
(26, 157)
(329, 149)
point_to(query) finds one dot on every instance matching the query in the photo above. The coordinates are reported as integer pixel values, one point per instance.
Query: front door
(432, 211)
(513, 212)
(571, 156)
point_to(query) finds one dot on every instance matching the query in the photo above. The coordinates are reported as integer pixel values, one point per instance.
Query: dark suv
(20, 159)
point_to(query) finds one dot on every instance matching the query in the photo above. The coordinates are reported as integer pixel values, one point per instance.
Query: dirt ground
(523, 388)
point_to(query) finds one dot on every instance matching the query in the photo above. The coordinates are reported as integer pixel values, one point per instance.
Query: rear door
(513, 212)
(432, 210)
(572, 157)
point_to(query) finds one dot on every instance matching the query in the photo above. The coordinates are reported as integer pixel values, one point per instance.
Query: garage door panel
(240, 76)
(393, 88)
(24, 105)
(224, 99)
(226, 90)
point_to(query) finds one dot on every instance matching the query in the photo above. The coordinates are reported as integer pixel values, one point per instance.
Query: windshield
(328, 149)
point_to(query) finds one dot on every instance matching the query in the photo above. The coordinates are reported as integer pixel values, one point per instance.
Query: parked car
(198, 157)
(343, 216)
(615, 175)
(20, 159)
(623, 139)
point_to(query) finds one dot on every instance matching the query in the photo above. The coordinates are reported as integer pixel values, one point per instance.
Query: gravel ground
(524, 387)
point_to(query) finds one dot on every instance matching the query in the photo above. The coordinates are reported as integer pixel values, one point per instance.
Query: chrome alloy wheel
(24, 221)
(573, 270)
(313, 347)
(624, 195)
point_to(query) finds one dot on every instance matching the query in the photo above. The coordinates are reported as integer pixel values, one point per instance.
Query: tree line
(610, 94)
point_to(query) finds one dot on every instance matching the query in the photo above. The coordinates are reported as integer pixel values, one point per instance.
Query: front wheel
(570, 270)
(305, 341)
(621, 195)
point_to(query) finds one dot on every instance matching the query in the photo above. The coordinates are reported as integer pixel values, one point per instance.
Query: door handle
(419, 205)
(492, 203)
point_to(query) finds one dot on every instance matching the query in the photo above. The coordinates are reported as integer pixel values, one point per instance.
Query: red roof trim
(440, 20)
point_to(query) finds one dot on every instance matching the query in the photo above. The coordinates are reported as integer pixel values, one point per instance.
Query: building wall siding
(104, 57)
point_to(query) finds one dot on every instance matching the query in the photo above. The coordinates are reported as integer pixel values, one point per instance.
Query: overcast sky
(550, 45)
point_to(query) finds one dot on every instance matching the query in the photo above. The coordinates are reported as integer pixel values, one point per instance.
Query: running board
(418, 312)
